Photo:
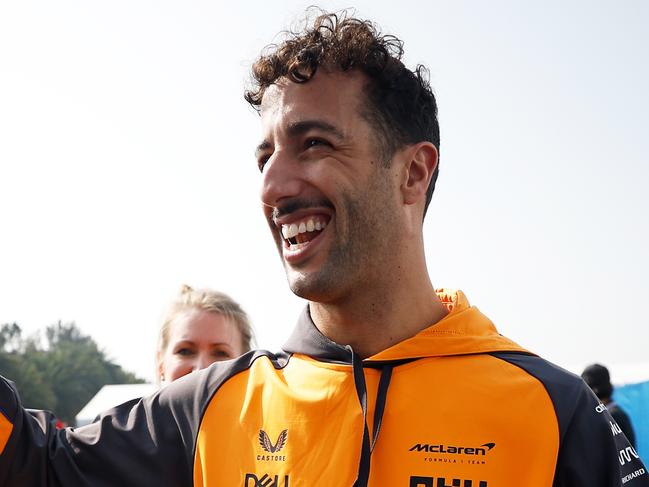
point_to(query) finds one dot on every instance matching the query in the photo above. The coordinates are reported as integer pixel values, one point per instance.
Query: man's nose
(281, 179)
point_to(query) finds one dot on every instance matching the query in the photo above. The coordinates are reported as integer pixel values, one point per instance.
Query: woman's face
(197, 339)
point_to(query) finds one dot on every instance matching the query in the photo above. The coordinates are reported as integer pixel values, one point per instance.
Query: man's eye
(315, 143)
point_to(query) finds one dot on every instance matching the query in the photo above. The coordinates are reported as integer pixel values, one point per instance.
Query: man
(599, 380)
(384, 382)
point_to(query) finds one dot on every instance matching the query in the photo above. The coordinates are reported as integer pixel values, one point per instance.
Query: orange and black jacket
(457, 405)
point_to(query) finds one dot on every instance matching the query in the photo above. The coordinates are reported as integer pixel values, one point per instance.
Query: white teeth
(293, 229)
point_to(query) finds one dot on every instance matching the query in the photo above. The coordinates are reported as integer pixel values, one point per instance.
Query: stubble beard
(357, 256)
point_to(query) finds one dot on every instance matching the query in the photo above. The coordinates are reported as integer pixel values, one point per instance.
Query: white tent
(110, 396)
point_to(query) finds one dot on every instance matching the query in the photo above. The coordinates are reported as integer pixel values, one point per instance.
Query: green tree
(62, 373)
(10, 337)
(24, 373)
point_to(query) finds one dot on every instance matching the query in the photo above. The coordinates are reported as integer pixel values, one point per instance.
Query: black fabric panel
(307, 339)
(591, 453)
(26, 427)
(562, 386)
(623, 421)
(148, 441)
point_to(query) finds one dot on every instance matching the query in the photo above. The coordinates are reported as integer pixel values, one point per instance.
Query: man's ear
(420, 165)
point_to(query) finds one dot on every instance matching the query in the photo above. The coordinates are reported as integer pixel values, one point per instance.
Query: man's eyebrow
(301, 127)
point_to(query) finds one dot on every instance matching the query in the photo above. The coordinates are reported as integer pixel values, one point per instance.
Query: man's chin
(312, 287)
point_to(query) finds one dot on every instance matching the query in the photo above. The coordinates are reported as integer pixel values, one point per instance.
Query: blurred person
(385, 381)
(599, 380)
(202, 326)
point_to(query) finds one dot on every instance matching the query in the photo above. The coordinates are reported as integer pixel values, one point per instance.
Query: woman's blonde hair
(206, 300)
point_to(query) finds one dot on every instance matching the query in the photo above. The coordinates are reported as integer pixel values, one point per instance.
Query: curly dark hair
(400, 104)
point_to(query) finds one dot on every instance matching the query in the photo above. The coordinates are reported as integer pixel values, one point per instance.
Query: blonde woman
(201, 327)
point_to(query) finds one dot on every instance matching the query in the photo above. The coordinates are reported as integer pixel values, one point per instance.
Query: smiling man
(385, 381)
(346, 208)
(349, 160)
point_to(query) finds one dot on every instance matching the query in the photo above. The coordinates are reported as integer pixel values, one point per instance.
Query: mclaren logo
(453, 450)
(272, 448)
(443, 453)
(267, 445)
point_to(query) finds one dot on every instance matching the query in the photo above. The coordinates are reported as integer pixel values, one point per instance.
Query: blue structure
(634, 399)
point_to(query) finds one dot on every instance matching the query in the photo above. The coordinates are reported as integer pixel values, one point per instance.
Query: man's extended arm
(142, 442)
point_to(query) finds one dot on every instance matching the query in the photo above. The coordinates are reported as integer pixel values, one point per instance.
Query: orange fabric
(298, 399)
(429, 404)
(456, 413)
(464, 330)
(433, 403)
(5, 431)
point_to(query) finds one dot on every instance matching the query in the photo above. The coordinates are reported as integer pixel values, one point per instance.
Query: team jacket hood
(465, 330)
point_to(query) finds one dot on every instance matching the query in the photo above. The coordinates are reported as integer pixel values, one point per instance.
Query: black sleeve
(143, 442)
(594, 452)
(624, 422)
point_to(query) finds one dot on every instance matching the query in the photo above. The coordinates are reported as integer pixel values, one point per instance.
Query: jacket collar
(307, 339)
(465, 330)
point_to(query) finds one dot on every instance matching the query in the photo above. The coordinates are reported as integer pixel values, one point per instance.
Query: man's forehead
(273, 96)
(286, 96)
(326, 95)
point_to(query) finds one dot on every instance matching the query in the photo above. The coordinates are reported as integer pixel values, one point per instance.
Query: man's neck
(374, 321)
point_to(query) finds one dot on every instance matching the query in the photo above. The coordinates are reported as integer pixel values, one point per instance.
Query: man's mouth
(302, 231)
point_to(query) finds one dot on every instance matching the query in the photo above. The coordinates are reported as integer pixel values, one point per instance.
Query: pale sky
(127, 168)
